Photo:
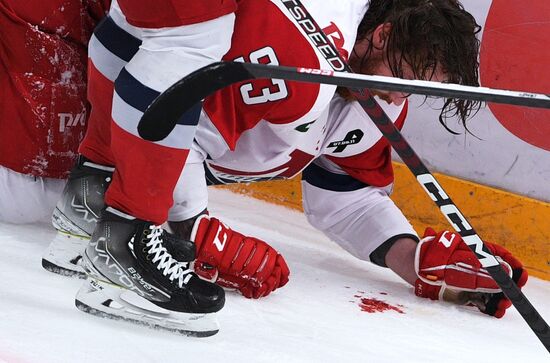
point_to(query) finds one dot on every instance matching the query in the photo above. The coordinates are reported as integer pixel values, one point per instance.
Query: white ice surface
(315, 318)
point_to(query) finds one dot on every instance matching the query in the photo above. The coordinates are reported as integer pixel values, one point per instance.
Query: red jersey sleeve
(372, 166)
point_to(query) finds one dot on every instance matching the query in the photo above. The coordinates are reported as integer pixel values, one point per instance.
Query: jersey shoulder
(266, 32)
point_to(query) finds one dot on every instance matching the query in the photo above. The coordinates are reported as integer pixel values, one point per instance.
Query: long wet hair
(427, 34)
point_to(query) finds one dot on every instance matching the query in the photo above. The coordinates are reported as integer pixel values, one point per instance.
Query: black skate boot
(131, 276)
(76, 215)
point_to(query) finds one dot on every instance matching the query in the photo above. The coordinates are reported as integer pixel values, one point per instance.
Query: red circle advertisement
(515, 54)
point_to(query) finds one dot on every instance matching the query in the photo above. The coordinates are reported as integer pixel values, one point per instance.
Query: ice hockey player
(144, 48)
(43, 107)
(262, 130)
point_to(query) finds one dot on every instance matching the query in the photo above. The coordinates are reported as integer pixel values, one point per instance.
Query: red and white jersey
(342, 135)
(43, 82)
(269, 129)
(346, 173)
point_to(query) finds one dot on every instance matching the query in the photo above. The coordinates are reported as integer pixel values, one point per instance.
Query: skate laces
(164, 261)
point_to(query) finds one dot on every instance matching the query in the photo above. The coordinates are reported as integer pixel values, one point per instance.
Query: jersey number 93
(275, 92)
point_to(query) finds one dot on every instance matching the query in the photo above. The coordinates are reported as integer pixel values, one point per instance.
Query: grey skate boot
(132, 276)
(76, 215)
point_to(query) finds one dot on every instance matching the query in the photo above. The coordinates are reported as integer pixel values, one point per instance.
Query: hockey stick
(162, 116)
(223, 74)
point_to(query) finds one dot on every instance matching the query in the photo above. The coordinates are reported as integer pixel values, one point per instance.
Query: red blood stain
(372, 305)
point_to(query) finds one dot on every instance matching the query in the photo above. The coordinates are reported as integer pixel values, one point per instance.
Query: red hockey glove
(236, 261)
(448, 270)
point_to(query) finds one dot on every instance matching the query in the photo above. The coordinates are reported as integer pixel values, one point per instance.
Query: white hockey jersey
(269, 129)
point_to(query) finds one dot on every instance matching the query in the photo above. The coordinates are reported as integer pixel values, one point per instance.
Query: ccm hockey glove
(233, 260)
(448, 270)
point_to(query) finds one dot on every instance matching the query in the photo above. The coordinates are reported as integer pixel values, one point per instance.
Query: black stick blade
(162, 115)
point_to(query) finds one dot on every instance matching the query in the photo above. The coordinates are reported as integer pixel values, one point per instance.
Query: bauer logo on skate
(140, 279)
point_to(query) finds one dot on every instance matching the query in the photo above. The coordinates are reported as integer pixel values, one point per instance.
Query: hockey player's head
(421, 39)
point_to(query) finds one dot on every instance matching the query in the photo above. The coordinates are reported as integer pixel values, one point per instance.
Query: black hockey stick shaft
(223, 74)
(428, 182)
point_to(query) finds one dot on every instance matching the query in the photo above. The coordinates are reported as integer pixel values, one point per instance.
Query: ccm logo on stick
(323, 72)
(439, 196)
(455, 218)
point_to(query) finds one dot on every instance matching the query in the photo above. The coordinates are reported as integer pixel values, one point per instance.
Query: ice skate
(131, 276)
(75, 217)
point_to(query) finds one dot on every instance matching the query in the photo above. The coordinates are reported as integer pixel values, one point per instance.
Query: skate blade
(64, 255)
(108, 301)
(49, 266)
